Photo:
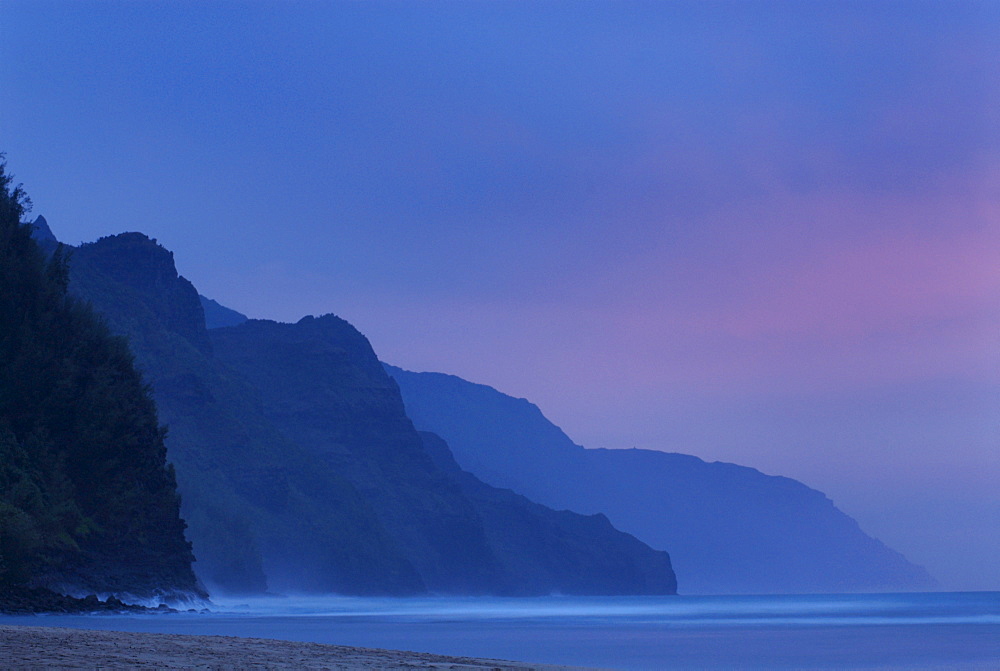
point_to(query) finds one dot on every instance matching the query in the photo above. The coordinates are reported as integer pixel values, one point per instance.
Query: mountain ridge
(268, 508)
(729, 528)
(360, 426)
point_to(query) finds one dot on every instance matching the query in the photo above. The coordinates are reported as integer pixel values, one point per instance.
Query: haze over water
(886, 631)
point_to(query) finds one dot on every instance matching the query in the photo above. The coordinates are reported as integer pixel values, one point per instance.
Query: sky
(758, 232)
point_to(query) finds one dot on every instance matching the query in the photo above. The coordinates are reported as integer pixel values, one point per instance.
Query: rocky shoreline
(28, 600)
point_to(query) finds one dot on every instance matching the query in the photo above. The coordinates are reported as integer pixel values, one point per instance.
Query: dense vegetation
(87, 501)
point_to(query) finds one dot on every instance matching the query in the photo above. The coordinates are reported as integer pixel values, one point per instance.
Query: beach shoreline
(30, 647)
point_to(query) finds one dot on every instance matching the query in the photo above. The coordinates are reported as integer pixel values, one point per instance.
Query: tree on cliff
(86, 497)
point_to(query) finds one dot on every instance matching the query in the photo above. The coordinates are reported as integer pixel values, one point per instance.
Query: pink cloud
(870, 285)
(834, 290)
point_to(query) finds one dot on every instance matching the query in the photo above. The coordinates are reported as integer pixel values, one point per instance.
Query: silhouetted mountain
(42, 233)
(299, 468)
(256, 503)
(557, 551)
(323, 387)
(218, 316)
(729, 529)
(87, 501)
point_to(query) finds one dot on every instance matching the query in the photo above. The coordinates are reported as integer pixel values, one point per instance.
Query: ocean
(857, 631)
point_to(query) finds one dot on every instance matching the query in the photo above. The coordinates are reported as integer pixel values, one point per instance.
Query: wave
(826, 610)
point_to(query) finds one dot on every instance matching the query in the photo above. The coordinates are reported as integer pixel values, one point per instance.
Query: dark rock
(20, 600)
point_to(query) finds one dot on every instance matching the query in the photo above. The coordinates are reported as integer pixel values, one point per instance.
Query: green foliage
(40, 522)
(14, 202)
(83, 482)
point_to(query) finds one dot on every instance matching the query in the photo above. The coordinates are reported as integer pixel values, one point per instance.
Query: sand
(58, 648)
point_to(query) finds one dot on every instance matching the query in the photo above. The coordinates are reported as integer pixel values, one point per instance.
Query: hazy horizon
(762, 233)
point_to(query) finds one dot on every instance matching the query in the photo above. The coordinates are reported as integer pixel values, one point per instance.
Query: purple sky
(766, 233)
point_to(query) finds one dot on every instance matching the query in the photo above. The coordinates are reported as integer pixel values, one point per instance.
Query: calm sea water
(875, 631)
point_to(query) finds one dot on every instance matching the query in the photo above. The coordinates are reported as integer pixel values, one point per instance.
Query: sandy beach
(59, 648)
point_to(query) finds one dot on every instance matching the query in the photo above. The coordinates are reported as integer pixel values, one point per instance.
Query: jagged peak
(41, 231)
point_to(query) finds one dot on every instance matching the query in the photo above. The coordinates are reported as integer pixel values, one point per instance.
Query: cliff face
(323, 387)
(300, 470)
(134, 261)
(729, 529)
(87, 501)
(262, 512)
(557, 550)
